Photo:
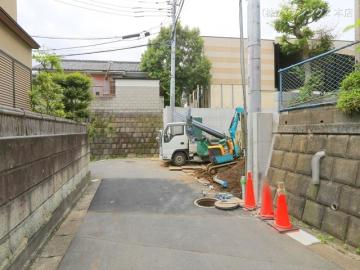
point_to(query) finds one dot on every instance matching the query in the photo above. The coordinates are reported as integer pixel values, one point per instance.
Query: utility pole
(243, 79)
(173, 59)
(254, 77)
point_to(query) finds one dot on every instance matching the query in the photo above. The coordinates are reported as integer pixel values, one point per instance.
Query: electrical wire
(111, 50)
(132, 7)
(110, 12)
(177, 18)
(181, 7)
(96, 44)
(116, 8)
(94, 38)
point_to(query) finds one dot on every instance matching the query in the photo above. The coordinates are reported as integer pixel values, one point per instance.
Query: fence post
(280, 91)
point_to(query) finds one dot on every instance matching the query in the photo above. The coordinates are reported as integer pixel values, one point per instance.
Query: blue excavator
(179, 144)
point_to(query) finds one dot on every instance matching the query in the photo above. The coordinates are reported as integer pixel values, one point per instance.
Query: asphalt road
(143, 217)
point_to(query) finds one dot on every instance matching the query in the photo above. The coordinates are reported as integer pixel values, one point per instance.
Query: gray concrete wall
(300, 135)
(43, 168)
(131, 96)
(134, 135)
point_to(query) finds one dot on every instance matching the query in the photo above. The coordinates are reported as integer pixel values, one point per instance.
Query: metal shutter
(6, 80)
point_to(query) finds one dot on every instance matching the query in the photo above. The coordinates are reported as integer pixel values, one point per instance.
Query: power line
(177, 18)
(91, 38)
(180, 9)
(116, 7)
(99, 44)
(110, 50)
(135, 7)
(110, 12)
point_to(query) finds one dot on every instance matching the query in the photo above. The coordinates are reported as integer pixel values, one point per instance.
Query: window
(172, 131)
(101, 86)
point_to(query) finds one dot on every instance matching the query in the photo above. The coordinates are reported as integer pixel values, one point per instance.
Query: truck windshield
(172, 131)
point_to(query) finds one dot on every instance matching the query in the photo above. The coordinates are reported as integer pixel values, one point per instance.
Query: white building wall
(131, 96)
(215, 118)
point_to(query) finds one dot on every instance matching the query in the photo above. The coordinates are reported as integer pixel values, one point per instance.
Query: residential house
(15, 58)
(118, 86)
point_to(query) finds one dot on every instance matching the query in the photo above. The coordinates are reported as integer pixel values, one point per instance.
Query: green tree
(76, 94)
(294, 22)
(48, 62)
(45, 95)
(192, 67)
(55, 93)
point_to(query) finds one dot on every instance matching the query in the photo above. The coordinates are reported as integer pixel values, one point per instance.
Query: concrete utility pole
(243, 79)
(173, 59)
(357, 29)
(254, 76)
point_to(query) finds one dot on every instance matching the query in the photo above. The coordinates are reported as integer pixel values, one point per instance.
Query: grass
(325, 238)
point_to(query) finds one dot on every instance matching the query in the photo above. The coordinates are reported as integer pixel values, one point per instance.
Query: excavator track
(212, 168)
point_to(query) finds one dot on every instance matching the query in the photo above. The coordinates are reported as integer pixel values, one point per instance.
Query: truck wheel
(179, 159)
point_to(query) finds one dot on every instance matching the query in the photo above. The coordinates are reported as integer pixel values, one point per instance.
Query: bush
(349, 95)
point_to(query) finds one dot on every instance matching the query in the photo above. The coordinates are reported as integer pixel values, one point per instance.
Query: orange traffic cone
(266, 211)
(282, 221)
(249, 194)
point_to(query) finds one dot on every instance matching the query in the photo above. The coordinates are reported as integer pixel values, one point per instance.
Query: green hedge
(349, 95)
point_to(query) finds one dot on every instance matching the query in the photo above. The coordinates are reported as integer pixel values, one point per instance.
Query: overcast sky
(212, 17)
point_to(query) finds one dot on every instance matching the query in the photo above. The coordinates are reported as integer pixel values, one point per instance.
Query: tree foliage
(57, 93)
(349, 95)
(294, 22)
(46, 96)
(48, 62)
(192, 67)
(76, 94)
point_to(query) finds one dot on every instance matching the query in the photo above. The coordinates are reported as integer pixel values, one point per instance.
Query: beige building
(15, 58)
(225, 90)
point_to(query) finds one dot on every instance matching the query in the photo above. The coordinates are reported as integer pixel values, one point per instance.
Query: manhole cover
(230, 204)
(205, 202)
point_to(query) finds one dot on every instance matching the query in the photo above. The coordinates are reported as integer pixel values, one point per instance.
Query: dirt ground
(231, 174)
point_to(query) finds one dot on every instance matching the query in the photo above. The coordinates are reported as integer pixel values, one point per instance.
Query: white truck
(179, 144)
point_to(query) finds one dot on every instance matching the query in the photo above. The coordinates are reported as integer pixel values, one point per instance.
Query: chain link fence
(315, 81)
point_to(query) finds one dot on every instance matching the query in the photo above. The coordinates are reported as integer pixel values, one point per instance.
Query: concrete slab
(303, 237)
(147, 222)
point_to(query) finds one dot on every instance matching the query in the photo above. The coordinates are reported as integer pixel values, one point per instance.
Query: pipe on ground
(223, 183)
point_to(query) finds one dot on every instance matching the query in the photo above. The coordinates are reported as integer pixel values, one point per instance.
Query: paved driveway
(143, 217)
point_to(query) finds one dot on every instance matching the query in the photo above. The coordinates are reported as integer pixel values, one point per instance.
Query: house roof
(7, 20)
(98, 66)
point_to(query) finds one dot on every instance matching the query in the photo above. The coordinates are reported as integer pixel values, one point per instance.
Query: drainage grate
(205, 202)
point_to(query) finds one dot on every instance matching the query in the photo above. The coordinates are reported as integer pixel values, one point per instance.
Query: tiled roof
(98, 66)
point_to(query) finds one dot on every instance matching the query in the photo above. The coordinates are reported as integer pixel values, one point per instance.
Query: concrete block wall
(43, 169)
(334, 205)
(131, 96)
(134, 135)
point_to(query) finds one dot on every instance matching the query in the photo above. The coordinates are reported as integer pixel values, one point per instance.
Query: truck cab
(174, 143)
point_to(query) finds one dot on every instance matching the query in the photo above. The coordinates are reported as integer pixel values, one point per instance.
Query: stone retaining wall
(43, 169)
(300, 135)
(134, 135)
